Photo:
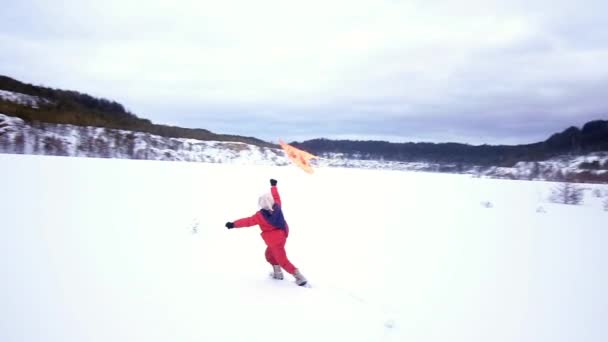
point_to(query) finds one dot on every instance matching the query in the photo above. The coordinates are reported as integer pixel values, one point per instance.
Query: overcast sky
(496, 72)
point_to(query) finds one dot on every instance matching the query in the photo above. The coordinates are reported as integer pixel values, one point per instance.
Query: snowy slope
(23, 99)
(552, 168)
(16, 136)
(558, 168)
(123, 250)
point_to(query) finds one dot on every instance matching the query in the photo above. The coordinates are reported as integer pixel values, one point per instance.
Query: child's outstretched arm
(275, 191)
(242, 223)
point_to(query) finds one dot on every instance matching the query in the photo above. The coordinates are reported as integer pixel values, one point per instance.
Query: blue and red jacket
(272, 223)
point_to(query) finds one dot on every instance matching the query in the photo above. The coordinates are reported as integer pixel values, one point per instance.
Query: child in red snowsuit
(274, 232)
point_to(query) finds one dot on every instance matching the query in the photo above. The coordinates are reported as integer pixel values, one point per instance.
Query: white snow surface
(131, 250)
(23, 99)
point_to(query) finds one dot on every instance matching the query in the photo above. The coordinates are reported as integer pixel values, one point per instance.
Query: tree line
(592, 137)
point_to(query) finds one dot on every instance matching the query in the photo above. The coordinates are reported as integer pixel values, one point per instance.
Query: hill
(592, 137)
(37, 103)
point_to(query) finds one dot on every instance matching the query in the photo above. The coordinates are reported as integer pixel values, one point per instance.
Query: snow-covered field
(126, 250)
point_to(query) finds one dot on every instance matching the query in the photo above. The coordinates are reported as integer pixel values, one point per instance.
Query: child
(274, 233)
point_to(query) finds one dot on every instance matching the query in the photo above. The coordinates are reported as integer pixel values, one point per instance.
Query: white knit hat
(266, 201)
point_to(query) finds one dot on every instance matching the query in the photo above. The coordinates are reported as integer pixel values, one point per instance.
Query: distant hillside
(71, 107)
(593, 137)
(48, 112)
(19, 137)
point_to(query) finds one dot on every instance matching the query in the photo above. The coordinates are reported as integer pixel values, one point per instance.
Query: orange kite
(299, 157)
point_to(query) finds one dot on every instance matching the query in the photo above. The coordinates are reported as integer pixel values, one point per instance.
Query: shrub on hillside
(567, 193)
(54, 146)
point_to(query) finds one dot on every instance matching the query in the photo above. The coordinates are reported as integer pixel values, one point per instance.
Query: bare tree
(4, 144)
(19, 143)
(567, 193)
(102, 148)
(534, 171)
(37, 144)
(51, 145)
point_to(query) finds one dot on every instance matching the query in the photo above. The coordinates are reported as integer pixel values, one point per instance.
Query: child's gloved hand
(273, 182)
(229, 225)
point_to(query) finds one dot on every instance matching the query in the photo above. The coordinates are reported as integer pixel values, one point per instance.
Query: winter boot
(277, 273)
(300, 279)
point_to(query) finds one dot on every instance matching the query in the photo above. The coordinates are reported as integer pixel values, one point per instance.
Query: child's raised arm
(275, 192)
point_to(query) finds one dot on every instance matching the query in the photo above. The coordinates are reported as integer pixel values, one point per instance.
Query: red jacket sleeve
(275, 195)
(246, 222)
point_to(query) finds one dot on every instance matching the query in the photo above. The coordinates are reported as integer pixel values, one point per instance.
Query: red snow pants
(275, 252)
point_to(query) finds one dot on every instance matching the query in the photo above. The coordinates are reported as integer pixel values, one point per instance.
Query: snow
(16, 136)
(132, 250)
(23, 99)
